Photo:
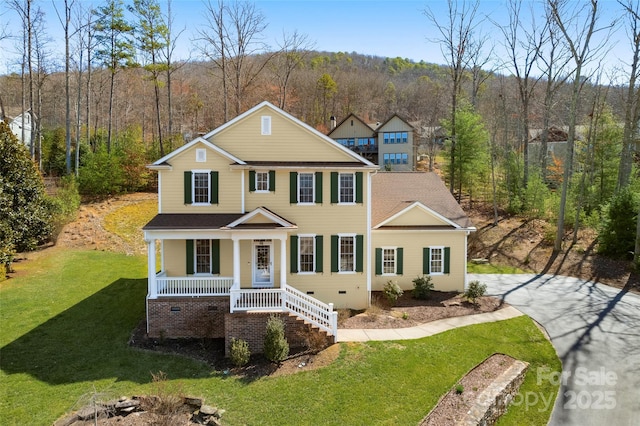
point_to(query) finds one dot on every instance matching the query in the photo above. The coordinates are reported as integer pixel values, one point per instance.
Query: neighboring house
(391, 145)
(396, 148)
(358, 136)
(267, 214)
(17, 124)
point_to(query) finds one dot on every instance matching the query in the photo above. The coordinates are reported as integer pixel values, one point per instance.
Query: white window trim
(193, 187)
(265, 125)
(347, 203)
(431, 248)
(313, 189)
(262, 191)
(201, 155)
(313, 247)
(355, 254)
(195, 259)
(395, 261)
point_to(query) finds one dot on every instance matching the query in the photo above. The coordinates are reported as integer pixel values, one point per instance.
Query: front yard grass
(66, 320)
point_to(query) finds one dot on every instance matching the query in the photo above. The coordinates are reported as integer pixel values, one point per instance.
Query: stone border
(495, 399)
(491, 402)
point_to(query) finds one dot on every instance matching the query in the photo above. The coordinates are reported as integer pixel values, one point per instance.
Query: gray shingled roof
(394, 191)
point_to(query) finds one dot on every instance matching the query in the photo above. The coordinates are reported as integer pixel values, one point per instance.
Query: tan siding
(288, 141)
(417, 216)
(175, 259)
(412, 243)
(357, 130)
(396, 125)
(172, 183)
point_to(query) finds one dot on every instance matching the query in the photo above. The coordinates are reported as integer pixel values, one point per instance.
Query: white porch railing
(193, 286)
(286, 299)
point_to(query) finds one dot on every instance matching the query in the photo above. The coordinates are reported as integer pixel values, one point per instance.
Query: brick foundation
(252, 327)
(209, 317)
(181, 317)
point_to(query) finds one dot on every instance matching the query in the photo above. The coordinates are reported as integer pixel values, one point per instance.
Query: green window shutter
(252, 180)
(359, 187)
(359, 254)
(334, 253)
(334, 187)
(187, 188)
(426, 261)
(214, 187)
(378, 261)
(215, 256)
(272, 180)
(293, 258)
(293, 187)
(399, 259)
(447, 258)
(318, 187)
(319, 257)
(190, 268)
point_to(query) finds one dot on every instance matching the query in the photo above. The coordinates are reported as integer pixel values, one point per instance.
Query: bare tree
(632, 104)
(66, 25)
(578, 37)
(293, 50)
(232, 40)
(170, 66)
(456, 37)
(523, 46)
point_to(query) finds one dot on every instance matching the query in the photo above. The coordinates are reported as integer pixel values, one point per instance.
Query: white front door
(262, 263)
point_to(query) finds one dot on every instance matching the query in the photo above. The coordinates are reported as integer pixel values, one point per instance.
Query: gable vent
(266, 125)
(201, 155)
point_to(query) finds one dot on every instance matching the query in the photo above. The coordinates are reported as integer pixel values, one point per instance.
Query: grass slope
(66, 322)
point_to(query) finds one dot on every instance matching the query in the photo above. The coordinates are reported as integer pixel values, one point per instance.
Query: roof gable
(352, 126)
(164, 161)
(417, 214)
(288, 138)
(395, 194)
(261, 216)
(395, 122)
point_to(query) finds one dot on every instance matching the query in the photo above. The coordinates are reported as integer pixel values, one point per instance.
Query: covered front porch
(242, 258)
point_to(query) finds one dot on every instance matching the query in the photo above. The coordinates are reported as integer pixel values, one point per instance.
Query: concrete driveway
(596, 332)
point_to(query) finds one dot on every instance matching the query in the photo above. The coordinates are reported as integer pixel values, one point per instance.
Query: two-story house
(358, 136)
(389, 144)
(267, 214)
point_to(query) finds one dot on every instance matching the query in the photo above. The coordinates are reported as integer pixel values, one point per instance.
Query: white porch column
(236, 261)
(283, 262)
(151, 268)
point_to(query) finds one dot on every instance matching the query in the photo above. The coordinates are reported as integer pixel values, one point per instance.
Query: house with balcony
(391, 144)
(357, 135)
(265, 214)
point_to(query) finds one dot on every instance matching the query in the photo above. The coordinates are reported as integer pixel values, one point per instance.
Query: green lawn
(65, 323)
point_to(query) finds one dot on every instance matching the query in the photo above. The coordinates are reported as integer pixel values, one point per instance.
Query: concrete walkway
(424, 330)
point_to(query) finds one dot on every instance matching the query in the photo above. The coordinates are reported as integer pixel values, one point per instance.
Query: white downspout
(369, 175)
(242, 192)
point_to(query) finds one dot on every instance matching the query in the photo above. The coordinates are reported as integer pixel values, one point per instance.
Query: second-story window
(305, 188)
(201, 187)
(347, 188)
(262, 181)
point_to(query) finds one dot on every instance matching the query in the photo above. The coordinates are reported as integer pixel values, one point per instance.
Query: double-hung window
(436, 260)
(347, 188)
(306, 250)
(203, 256)
(388, 261)
(306, 253)
(305, 188)
(201, 185)
(262, 181)
(347, 253)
